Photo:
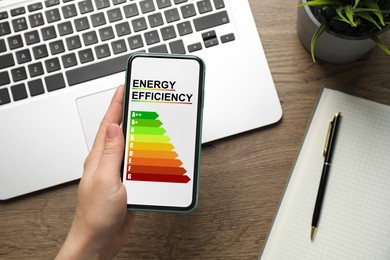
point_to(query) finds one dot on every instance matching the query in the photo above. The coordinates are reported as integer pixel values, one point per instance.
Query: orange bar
(156, 162)
(153, 154)
(151, 146)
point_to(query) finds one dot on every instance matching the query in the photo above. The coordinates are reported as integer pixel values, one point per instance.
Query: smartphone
(162, 121)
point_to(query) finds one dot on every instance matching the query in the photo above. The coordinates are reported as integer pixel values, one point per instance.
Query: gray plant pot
(330, 47)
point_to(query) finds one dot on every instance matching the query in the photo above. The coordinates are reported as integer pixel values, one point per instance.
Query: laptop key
(227, 38)
(119, 46)
(18, 11)
(4, 28)
(139, 24)
(53, 15)
(4, 96)
(50, 3)
(15, 42)
(35, 87)
(135, 42)
(69, 11)
(168, 32)
(19, 24)
(122, 29)
(56, 47)
(2, 45)
(23, 56)
(219, 4)
(69, 60)
(172, 15)
(35, 69)
(102, 51)
(159, 49)
(194, 47)
(106, 33)
(177, 47)
(117, 2)
(90, 38)
(131, 10)
(55, 82)
(204, 6)
(3, 15)
(155, 20)
(31, 37)
(81, 24)
(19, 74)
(179, 1)
(19, 92)
(100, 4)
(211, 20)
(114, 15)
(147, 6)
(7, 60)
(86, 56)
(98, 19)
(152, 37)
(85, 6)
(40, 51)
(52, 65)
(188, 10)
(163, 3)
(97, 70)
(73, 42)
(65, 28)
(4, 78)
(36, 20)
(48, 33)
(211, 42)
(34, 7)
(184, 28)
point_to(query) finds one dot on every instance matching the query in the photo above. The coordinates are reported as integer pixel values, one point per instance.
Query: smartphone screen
(162, 128)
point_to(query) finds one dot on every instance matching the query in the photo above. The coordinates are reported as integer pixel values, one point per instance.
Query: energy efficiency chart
(151, 156)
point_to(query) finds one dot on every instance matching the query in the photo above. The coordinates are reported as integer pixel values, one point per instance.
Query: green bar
(145, 122)
(147, 130)
(143, 115)
(150, 138)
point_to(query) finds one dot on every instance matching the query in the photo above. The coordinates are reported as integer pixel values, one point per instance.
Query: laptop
(61, 60)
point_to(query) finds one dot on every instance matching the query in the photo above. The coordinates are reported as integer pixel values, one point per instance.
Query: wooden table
(242, 177)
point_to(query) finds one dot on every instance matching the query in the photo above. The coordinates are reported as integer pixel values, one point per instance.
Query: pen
(328, 151)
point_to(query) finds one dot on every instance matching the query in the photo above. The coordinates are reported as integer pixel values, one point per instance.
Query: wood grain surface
(242, 177)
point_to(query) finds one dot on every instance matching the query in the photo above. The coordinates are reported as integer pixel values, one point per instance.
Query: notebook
(61, 60)
(354, 221)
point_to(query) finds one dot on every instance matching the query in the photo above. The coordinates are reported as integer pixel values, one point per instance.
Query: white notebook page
(355, 217)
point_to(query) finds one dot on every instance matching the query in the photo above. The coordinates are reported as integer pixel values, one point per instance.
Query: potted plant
(340, 31)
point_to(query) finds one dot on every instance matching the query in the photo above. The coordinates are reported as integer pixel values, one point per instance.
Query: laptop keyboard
(51, 45)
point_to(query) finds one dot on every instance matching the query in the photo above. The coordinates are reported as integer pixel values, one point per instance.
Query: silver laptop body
(60, 63)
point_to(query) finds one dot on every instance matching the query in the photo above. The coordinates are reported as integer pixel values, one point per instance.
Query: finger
(111, 160)
(113, 115)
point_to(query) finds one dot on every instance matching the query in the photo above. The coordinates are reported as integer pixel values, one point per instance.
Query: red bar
(158, 170)
(157, 177)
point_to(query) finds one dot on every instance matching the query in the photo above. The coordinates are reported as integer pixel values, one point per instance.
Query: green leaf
(367, 17)
(377, 11)
(350, 15)
(356, 3)
(339, 12)
(379, 43)
(319, 3)
(314, 39)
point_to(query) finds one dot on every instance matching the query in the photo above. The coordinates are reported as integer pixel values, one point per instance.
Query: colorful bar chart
(151, 155)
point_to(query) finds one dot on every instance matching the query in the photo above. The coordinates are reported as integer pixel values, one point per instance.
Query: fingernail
(112, 131)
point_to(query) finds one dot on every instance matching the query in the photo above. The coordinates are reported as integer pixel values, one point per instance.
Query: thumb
(111, 160)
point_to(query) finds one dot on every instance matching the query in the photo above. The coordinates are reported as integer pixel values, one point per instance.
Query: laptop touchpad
(91, 109)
